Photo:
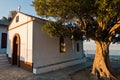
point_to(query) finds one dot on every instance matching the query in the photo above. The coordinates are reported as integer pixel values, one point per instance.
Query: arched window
(17, 19)
(62, 45)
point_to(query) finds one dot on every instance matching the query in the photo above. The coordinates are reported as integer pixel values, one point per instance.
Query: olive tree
(95, 19)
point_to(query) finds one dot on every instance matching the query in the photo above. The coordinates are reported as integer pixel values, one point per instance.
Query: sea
(90, 47)
(114, 54)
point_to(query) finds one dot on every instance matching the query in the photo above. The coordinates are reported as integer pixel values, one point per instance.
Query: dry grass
(85, 74)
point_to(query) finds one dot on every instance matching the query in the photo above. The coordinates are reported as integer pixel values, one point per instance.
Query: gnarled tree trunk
(101, 65)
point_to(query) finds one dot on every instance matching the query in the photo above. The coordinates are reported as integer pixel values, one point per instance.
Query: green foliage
(56, 29)
(95, 18)
(63, 8)
(107, 9)
(4, 18)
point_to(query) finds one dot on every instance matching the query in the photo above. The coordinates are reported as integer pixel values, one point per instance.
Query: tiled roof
(34, 16)
(4, 22)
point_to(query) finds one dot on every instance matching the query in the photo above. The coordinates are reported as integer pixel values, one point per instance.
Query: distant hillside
(91, 46)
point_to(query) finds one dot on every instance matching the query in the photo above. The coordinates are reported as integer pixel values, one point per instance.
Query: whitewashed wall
(37, 47)
(3, 29)
(25, 33)
(46, 53)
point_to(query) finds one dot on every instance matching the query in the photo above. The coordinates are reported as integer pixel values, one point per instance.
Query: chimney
(12, 14)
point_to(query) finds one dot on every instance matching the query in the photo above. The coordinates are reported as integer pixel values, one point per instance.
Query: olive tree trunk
(101, 64)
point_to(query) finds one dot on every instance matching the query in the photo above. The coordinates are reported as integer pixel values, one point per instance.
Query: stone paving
(11, 72)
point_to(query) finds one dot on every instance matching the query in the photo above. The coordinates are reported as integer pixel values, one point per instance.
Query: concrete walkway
(14, 73)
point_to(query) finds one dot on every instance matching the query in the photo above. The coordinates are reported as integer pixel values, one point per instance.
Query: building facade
(32, 49)
(3, 36)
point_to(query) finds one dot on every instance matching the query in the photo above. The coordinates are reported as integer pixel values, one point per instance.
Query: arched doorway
(16, 50)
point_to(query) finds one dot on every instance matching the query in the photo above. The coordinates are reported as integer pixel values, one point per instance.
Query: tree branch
(112, 30)
(116, 26)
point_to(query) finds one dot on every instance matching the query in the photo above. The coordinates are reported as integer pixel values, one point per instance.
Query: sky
(12, 5)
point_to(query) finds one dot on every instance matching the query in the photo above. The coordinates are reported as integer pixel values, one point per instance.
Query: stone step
(4, 66)
(5, 63)
(3, 55)
(3, 60)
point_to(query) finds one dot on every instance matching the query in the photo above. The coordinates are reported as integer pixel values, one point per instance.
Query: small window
(78, 47)
(17, 19)
(62, 45)
(4, 40)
